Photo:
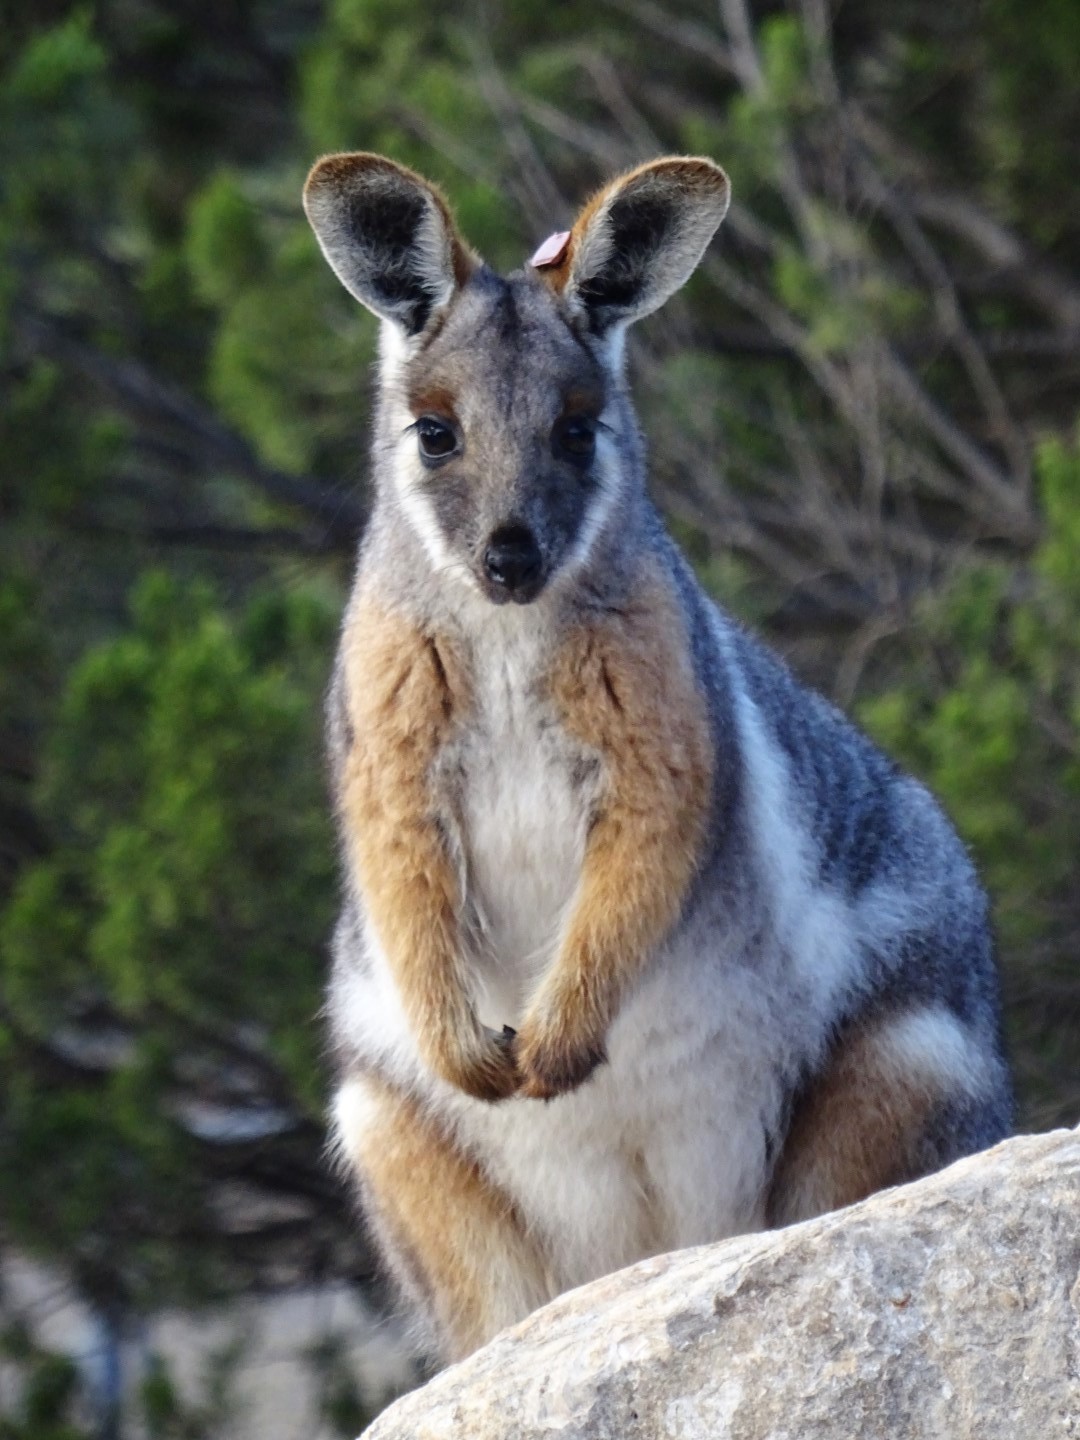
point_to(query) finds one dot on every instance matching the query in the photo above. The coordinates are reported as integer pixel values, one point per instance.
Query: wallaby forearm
(404, 694)
(626, 690)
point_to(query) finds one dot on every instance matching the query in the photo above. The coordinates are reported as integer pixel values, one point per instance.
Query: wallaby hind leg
(453, 1241)
(900, 1096)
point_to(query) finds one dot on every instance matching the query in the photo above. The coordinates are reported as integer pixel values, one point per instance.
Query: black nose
(512, 560)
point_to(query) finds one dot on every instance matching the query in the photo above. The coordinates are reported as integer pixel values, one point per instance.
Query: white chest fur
(524, 799)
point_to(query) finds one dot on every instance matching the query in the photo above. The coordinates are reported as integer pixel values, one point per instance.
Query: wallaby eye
(574, 439)
(436, 439)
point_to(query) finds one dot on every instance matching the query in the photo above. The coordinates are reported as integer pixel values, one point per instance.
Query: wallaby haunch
(643, 944)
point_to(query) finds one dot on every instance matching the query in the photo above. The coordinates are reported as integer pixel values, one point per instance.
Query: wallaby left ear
(639, 240)
(388, 235)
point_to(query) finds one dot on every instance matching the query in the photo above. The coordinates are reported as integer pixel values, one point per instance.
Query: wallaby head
(505, 435)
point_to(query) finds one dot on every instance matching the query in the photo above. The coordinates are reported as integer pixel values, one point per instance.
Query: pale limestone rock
(949, 1308)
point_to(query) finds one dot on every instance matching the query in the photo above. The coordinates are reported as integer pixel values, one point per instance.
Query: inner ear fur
(640, 239)
(389, 236)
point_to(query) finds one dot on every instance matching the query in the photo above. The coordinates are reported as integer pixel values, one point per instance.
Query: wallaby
(643, 944)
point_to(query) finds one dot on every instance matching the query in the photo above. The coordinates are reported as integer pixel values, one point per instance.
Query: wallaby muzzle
(513, 567)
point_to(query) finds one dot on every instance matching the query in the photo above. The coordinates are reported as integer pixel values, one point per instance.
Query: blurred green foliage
(186, 895)
(842, 419)
(47, 1401)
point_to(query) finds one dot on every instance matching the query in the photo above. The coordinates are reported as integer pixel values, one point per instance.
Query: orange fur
(405, 692)
(583, 400)
(856, 1131)
(626, 688)
(457, 1237)
(432, 400)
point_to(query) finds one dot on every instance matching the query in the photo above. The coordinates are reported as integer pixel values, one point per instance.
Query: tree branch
(212, 445)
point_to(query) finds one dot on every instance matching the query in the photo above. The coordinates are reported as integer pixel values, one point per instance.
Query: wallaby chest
(523, 790)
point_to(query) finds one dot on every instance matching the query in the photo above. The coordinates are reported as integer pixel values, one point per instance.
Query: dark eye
(574, 439)
(435, 437)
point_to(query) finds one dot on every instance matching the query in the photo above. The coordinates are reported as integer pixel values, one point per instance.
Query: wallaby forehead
(504, 347)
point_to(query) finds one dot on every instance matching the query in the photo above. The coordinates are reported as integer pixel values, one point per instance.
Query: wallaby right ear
(636, 241)
(388, 235)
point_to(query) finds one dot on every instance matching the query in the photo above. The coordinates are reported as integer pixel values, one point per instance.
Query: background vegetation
(863, 419)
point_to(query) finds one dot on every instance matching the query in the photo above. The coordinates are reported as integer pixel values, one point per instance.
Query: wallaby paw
(551, 1064)
(485, 1069)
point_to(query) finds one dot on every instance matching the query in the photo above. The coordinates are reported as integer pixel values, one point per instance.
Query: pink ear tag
(552, 251)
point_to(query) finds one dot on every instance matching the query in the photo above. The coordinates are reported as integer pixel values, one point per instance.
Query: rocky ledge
(947, 1308)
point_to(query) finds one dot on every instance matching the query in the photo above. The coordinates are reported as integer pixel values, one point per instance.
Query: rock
(948, 1308)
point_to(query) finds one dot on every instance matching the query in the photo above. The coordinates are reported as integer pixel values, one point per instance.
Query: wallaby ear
(388, 235)
(638, 240)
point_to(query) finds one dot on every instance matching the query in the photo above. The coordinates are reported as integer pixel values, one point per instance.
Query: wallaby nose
(512, 561)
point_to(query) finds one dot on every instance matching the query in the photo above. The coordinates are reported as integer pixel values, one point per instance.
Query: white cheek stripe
(609, 476)
(394, 352)
(418, 510)
(409, 477)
